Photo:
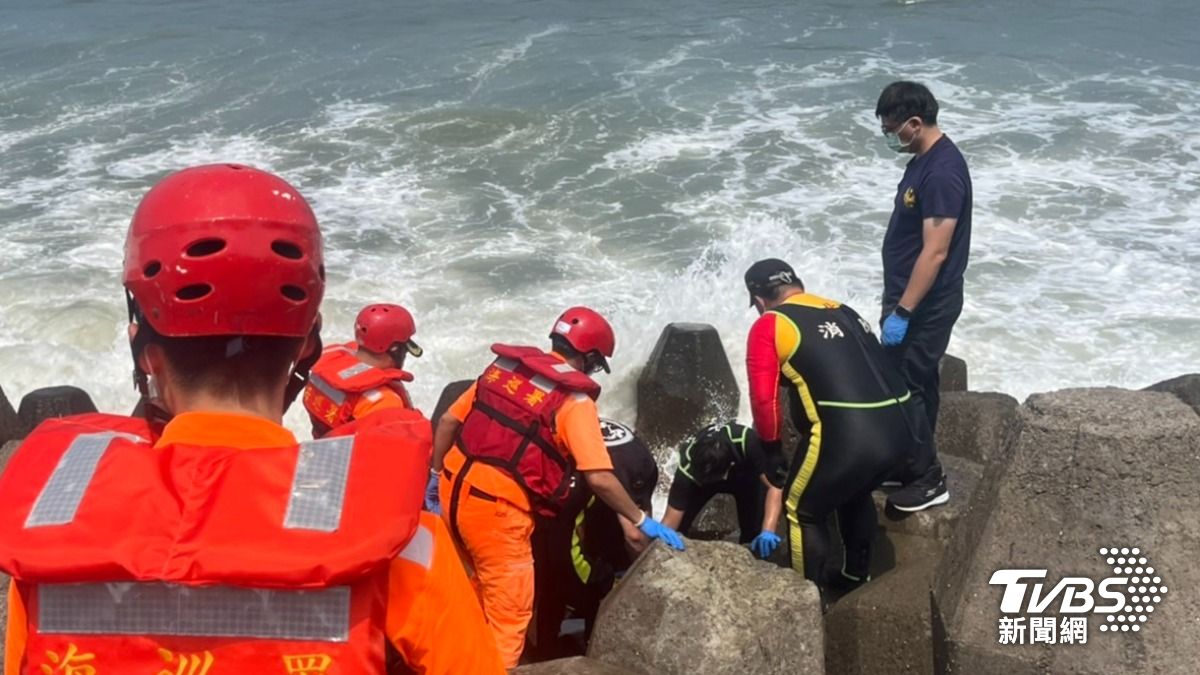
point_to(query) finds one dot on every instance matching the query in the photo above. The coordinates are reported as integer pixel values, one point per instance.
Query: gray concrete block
(974, 425)
(953, 371)
(577, 665)
(6, 453)
(686, 384)
(46, 403)
(717, 520)
(883, 627)
(1086, 468)
(937, 523)
(710, 610)
(10, 424)
(1185, 387)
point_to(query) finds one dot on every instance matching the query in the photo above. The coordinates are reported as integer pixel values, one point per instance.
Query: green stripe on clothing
(866, 406)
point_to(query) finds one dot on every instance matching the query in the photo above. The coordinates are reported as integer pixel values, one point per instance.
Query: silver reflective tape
(356, 369)
(60, 497)
(420, 548)
(506, 364)
(325, 388)
(563, 367)
(129, 608)
(319, 485)
(542, 383)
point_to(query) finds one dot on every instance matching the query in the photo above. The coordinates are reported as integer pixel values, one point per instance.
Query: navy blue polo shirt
(935, 185)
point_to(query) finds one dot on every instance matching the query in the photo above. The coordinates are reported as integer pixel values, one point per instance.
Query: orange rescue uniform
(433, 618)
(342, 388)
(494, 522)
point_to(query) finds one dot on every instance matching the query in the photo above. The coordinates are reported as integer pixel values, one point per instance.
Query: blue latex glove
(765, 544)
(895, 327)
(656, 530)
(432, 504)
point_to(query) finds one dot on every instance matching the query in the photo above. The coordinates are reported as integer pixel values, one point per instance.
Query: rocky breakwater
(1088, 476)
(710, 610)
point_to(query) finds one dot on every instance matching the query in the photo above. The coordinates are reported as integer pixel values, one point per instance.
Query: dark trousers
(919, 356)
(810, 545)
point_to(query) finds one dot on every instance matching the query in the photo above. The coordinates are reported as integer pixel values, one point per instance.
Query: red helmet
(587, 332)
(379, 328)
(225, 249)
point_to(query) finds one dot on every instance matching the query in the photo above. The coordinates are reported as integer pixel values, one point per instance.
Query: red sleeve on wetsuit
(762, 369)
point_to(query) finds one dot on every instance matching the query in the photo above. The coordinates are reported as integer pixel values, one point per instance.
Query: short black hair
(710, 456)
(248, 364)
(903, 100)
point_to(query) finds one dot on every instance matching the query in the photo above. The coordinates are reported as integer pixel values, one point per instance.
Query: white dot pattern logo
(1144, 591)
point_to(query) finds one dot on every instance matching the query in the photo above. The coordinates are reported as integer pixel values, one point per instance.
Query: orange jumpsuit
(433, 616)
(495, 525)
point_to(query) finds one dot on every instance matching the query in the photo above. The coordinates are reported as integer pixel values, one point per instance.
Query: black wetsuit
(747, 464)
(579, 553)
(856, 419)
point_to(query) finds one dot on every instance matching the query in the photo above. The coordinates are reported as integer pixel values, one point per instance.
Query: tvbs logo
(1126, 600)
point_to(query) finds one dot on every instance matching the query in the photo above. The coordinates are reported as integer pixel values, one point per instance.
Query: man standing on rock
(925, 254)
(856, 420)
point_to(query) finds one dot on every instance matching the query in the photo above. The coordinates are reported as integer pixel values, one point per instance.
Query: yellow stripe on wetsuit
(583, 568)
(787, 342)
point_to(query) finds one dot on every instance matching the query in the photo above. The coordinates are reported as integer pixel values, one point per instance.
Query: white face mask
(893, 139)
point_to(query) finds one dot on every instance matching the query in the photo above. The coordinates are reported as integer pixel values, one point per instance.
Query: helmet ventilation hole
(205, 247)
(294, 293)
(193, 292)
(151, 270)
(287, 249)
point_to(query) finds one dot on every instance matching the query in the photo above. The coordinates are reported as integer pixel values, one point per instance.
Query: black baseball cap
(767, 274)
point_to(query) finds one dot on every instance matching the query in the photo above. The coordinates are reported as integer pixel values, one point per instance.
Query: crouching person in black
(579, 554)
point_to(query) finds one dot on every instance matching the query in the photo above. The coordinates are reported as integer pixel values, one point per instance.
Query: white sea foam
(648, 199)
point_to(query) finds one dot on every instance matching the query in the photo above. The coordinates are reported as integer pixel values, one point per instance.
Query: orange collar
(230, 430)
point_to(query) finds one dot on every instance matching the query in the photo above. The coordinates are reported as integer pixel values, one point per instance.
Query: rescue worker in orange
(507, 448)
(352, 380)
(206, 540)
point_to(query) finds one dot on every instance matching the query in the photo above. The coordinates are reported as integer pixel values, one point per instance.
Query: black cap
(767, 274)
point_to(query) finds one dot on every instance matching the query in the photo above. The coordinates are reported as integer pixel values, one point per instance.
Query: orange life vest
(511, 423)
(339, 380)
(192, 560)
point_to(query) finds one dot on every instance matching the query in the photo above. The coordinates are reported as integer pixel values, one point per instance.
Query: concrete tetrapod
(686, 384)
(1088, 470)
(710, 610)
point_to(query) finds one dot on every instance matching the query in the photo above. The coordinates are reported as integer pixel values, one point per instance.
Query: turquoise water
(487, 164)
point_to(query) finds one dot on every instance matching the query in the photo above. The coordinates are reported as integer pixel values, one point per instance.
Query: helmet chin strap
(299, 377)
(153, 407)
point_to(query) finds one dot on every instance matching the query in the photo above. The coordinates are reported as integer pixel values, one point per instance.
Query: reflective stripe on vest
(319, 484)
(331, 392)
(130, 608)
(60, 497)
(419, 549)
(357, 369)
(542, 383)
